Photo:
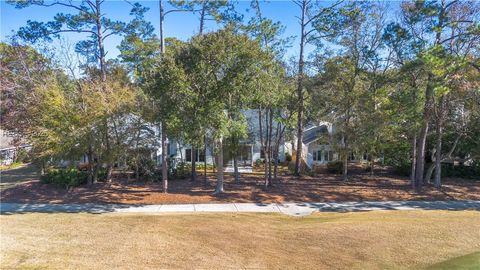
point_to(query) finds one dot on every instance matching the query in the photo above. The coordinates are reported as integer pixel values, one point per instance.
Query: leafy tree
(22, 69)
(316, 23)
(225, 72)
(442, 31)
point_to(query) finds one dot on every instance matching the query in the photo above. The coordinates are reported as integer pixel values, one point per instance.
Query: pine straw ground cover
(320, 188)
(361, 240)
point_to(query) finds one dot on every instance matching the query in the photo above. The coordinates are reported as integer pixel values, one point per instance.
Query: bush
(288, 157)
(258, 162)
(403, 168)
(69, 177)
(462, 171)
(201, 166)
(178, 169)
(335, 167)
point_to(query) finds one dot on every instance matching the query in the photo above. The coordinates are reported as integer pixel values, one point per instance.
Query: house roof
(314, 133)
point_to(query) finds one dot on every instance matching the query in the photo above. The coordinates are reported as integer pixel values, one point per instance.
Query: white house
(317, 146)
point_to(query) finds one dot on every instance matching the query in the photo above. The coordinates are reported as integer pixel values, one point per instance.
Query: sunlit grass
(366, 240)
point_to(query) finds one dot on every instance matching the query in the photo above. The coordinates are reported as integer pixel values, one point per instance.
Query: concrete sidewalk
(293, 209)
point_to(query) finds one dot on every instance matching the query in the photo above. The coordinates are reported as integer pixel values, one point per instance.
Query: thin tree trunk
(202, 18)
(438, 160)
(414, 159)
(164, 128)
(95, 172)
(427, 107)
(219, 188)
(235, 170)
(439, 131)
(278, 136)
(162, 19)
(137, 174)
(266, 151)
(205, 162)
(269, 146)
(194, 157)
(345, 160)
(262, 142)
(372, 165)
(90, 166)
(164, 158)
(428, 175)
(420, 163)
(303, 34)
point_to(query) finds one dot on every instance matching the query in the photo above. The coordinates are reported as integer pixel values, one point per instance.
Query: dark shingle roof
(314, 133)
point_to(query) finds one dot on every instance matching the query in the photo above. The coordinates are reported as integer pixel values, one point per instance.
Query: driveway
(10, 178)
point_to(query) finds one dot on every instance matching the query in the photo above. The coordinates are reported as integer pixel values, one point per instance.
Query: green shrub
(69, 177)
(201, 166)
(403, 168)
(335, 167)
(180, 171)
(462, 171)
(288, 157)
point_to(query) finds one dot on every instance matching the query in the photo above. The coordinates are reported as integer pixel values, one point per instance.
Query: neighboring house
(317, 147)
(9, 148)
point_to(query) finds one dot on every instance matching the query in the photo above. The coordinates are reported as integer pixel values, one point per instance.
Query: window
(317, 155)
(328, 156)
(199, 155)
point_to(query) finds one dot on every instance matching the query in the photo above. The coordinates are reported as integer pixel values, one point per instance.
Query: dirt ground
(361, 240)
(321, 188)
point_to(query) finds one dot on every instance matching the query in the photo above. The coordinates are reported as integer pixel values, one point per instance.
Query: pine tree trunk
(219, 188)
(95, 172)
(269, 146)
(193, 157)
(205, 162)
(345, 161)
(303, 34)
(90, 166)
(372, 165)
(137, 174)
(414, 158)
(162, 19)
(421, 143)
(109, 172)
(202, 18)
(428, 175)
(235, 170)
(439, 133)
(164, 158)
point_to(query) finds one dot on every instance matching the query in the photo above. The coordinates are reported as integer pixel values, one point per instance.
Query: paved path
(293, 209)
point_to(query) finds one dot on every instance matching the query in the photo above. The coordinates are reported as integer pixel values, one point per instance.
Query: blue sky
(180, 25)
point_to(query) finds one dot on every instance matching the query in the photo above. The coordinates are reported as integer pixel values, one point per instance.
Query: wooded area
(402, 89)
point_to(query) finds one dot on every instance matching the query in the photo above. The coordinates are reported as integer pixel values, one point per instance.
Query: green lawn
(363, 240)
(465, 262)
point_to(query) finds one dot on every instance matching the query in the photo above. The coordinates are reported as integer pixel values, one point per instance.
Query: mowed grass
(362, 240)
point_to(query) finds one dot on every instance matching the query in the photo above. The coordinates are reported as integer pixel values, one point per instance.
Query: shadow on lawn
(322, 188)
